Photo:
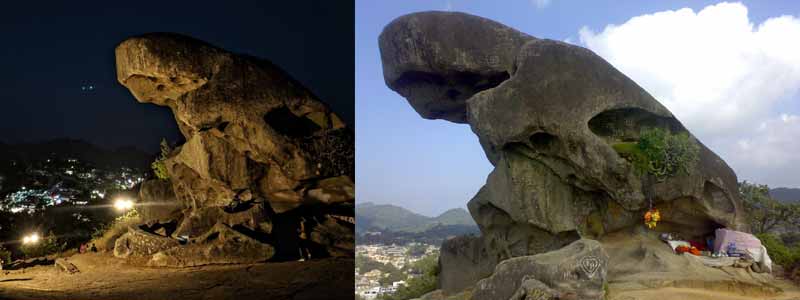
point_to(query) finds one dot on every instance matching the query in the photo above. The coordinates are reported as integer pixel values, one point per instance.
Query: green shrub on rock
(5, 255)
(660, 153)
(158, 166)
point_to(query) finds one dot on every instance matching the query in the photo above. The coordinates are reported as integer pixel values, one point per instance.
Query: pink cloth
(742, 240)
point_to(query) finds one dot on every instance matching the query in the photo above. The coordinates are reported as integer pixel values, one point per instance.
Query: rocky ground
(790, 292)
(686, 290)
(103, 276)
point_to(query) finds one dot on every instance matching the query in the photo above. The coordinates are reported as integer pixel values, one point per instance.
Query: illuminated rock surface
(264, 159)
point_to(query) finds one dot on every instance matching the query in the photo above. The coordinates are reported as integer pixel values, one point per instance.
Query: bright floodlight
(123, 204)
(31, 239)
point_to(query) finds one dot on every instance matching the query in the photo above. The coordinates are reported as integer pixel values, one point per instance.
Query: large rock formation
(267, 168)
(547, 114)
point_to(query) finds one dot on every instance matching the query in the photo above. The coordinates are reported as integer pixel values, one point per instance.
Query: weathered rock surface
(533, 289)
(577, 271)
(139, 243)
(199, 221)
(220, 245)
(64, 266)
(332, 231)
(463, 260)
(160, 203)
(547, 114)
(262, 157)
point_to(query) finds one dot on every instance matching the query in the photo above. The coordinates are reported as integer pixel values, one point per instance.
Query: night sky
(50, 53)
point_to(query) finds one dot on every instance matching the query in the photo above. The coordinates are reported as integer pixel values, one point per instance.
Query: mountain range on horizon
(785, 195)
(73, 148)
(371, 216)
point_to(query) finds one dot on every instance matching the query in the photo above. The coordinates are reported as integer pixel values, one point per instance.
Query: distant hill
(434, 235)
(70, 148)
(370, 216)
(455, 216)
(785, 195)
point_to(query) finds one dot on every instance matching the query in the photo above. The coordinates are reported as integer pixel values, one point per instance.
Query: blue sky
(431, 166)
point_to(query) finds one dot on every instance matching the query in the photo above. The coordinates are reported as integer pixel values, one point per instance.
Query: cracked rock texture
(577, 270)
(547, 114)
(264, 159)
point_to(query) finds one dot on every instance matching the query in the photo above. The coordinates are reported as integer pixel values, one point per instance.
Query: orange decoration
(651, 218)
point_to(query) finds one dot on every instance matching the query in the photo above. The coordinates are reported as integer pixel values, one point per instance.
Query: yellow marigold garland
(651, 218)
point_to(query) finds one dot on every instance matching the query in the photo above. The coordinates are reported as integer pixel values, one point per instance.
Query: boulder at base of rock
(139, 243)
(463, 260)
(334, 233)
(64, 266)
(199, 221)
(578, 270)
(221, 245)
(533, 289)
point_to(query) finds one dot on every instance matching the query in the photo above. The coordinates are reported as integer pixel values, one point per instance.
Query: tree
(5, 255)
(764, 213)
(428, 267)
(159, 167)
(417, 249)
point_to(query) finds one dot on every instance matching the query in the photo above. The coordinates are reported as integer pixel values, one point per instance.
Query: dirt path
(672, 293)
(103, 276)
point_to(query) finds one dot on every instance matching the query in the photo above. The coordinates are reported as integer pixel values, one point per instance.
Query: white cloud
(541, 3)
(772, 154)
(722, 76)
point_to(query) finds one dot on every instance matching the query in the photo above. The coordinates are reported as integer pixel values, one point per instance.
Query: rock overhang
(544, 120)
(264, 159)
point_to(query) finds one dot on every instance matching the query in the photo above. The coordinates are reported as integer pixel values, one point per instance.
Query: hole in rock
(222, 125)
(543, 141)
(238, 206)
(625, 124)
(162, 229)
(687, 217)
(256, 235)
(212, 236)
(453, 94)
(287, 123)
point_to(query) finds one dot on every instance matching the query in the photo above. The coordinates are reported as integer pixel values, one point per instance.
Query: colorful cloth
(741, 240)
(675, 244)
(743, 243)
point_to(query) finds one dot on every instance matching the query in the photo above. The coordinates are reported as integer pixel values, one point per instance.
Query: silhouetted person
(94, 249)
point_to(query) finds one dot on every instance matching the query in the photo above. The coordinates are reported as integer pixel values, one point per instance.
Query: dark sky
(49, 51)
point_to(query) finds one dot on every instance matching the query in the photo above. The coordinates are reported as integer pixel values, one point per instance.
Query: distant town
(56, 181)
(383, 269)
